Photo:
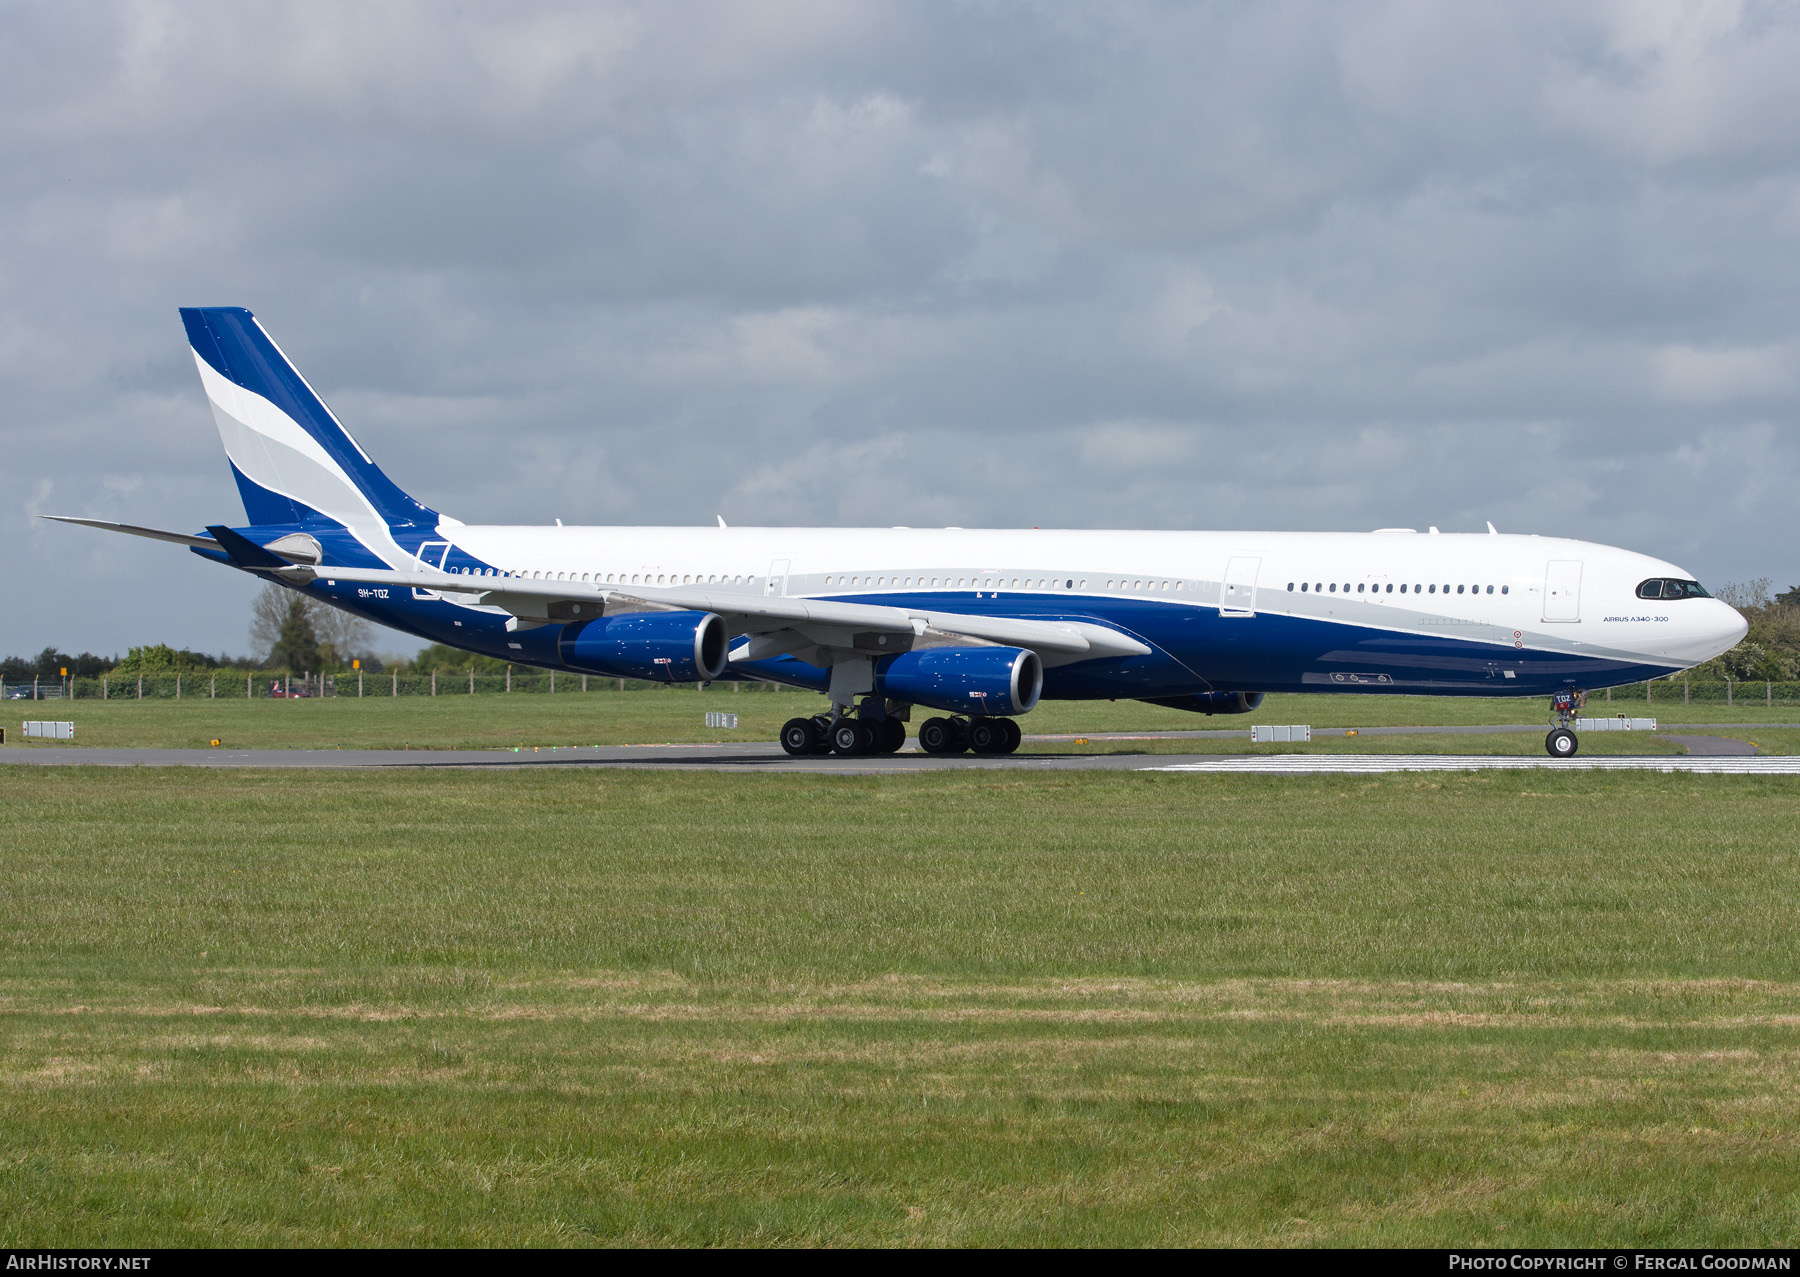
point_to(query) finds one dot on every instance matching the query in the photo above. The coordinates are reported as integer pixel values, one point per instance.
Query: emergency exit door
(1238, 595)
(1562, 590)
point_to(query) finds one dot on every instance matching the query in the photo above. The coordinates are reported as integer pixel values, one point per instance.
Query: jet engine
(671, 647)
(1210, 702)
(983, 681)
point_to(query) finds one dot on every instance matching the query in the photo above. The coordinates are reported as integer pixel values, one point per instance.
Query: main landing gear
(1564, 707)
(853, 737)
(848, 736)
(979, 735)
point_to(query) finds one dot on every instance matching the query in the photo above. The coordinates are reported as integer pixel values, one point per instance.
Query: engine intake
(672, 647)
(964, 680)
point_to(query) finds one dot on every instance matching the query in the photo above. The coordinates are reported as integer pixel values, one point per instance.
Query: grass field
(1510, 1009)
(678, 715)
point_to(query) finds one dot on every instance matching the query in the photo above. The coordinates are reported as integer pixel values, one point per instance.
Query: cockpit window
(1665, 588)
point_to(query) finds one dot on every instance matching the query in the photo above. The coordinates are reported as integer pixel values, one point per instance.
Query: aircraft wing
(776, 625)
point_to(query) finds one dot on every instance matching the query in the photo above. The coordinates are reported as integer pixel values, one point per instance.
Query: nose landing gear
(1564, 706)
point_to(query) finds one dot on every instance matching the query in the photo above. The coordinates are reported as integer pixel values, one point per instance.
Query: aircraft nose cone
(1701, 630)
(1731, 627)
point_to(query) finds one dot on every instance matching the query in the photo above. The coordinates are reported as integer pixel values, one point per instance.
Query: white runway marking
(1289, 764)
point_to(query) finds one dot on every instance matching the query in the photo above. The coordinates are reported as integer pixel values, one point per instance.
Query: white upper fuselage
(1489, 587)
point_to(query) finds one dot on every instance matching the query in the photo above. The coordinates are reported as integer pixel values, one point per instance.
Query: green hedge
(234, 685)
(1677, 691)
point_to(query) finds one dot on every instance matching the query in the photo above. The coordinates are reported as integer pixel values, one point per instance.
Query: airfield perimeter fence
(237, 685)
(521, 682)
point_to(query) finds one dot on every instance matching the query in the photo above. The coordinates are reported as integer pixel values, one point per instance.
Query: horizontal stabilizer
(285, 552)
(244, 552)
(155, 534)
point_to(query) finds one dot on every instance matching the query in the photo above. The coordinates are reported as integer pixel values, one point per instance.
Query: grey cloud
(1286, 264)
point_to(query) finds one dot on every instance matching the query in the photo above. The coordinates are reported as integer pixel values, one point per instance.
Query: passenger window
(1290, 587)
(1505, 589)
(1434, 589)
(1459, 589)
(1390, 588)
(1359, 589)
(1490, 589)
(1303, 587)
(1334, 587)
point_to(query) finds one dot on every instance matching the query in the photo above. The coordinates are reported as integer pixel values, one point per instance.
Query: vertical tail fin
(292, 460)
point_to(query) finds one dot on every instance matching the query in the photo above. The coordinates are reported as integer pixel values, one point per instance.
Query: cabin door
(432, 554)
(1238, 595)
(1562, 590)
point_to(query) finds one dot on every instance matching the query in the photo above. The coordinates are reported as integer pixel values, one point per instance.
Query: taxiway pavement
(1706, 754)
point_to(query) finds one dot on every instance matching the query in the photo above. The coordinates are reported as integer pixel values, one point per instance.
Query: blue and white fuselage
(1102, 614)
(1379, 612)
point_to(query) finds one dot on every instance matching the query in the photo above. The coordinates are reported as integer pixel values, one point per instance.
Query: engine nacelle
(964, 680)
(671, 647)
(1210, 702)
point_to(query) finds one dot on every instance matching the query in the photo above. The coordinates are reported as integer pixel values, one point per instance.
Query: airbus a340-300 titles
(973, 625)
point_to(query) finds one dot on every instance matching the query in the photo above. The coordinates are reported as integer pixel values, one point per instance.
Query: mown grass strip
(1510, 1009)
(677, 715)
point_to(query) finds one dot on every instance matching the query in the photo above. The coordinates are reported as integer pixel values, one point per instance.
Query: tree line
(294, 632)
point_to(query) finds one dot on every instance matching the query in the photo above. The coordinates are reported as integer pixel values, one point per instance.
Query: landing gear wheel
(853, 737)
(988, 735)
(939, 736)
(1561, 743)
(800, 736)
(893, 736)
(1014, 734)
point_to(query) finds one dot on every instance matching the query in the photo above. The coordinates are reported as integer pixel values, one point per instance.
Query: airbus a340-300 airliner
(974, 624)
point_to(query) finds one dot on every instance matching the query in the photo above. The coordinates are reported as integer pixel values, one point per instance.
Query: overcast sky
(1264, 265)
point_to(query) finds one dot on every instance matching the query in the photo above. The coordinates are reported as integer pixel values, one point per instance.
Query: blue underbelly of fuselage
(1195, 648)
